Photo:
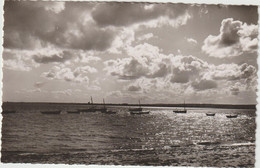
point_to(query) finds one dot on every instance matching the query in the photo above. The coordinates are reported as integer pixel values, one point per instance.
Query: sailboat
(138, 110)
(181, 110)
(105, 110)
(91, 109)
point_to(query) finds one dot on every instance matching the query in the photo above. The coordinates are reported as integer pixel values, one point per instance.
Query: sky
(125, 52)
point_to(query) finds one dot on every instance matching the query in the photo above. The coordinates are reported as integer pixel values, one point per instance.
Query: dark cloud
(123, 14)
(180, 76)
(62, 57)
(234, 90)
(134, 88)
(204, 85)
(234, 39)
(52, 22)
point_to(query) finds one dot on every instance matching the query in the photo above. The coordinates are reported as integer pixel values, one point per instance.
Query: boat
(8, 111)
(105, 110)
(87, 110)
(73, 112)
(181, 110)
(138, 110)
(91, 109)
(231, 116)
(210, 114)
(51, 112)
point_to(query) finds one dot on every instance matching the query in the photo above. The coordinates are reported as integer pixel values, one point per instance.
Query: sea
(161, 138)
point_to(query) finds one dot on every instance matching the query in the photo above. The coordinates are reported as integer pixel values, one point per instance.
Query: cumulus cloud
(133, 88)
(79, 74)
(146, 36)
(148, 70)
(235, 38)
(17, 61)
(232, 72)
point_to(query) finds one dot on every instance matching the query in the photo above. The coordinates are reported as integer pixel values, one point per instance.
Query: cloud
(17, 61)
(146, 36)
(60, 57)
(43, 23)
(235, 38)
(78, 75)
(133, 88)
(232, 72)
(148, 70)
(204, 85)
(125, 14)
(192, 41)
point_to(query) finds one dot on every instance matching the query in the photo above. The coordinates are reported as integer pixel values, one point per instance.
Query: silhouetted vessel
(138, 110)
(51, 112)
(181, 110)
(210, 114)
(91, 109)
(105, 110)
(231, 116)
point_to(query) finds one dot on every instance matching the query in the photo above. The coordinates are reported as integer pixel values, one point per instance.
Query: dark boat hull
(136, 109)
(73, 112)
(51, 112)
(180, 111)
(139, 112)
(231, 116)
(210, 114)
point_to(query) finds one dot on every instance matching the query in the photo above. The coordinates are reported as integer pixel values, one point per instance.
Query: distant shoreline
(224, 106)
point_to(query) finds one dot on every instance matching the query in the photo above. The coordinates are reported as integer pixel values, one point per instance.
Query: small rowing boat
(210, 114)
(231, 116)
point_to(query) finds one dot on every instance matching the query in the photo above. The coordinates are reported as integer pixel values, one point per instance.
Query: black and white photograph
(129, 83)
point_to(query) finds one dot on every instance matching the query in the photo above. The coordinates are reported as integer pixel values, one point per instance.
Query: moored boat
(136, 109)
(91, 109)
(232, 116)
(51, 112)
(181, 110)
(105, 110)
(140, 112)
(210, 114)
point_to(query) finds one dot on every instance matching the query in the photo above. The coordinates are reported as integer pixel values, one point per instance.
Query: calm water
(159, 138)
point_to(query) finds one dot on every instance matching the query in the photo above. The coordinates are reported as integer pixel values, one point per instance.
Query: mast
(139, 104)
(184, 104)
(91, 99)
(104, 103)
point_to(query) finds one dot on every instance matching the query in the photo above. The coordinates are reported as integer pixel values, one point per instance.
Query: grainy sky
(159, 53)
